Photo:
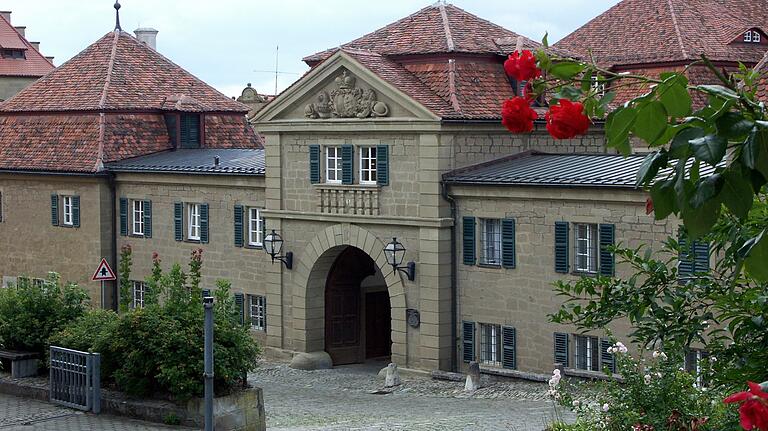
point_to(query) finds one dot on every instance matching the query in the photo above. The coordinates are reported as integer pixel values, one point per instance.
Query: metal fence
(75, 379)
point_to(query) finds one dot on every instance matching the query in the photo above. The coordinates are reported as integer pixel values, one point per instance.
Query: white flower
(576, 403)
(647, 379)
(556, 372)
(663, 356)
(712, 359)
(658, 375)
(606, 407)
(681, 369)
(620, 347)
(656, 354)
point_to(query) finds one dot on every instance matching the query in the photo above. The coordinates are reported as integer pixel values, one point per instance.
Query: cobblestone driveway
(340, 399)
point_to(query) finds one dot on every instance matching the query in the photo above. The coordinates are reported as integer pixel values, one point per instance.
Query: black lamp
(395, 252)
(273, 244)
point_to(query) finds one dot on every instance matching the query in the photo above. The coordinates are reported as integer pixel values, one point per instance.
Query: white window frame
(255, 227)
(748, 36)
(138, 293)
(333, 154)
(193, 222)
(368, 163)
(586, 248)
(491, 344)
(589, 360)
(68, 218)
(755, 36)
(137, 217)
(490, 241)
(257, 312)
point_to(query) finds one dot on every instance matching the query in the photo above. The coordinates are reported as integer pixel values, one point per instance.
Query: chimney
(6, 14)
(35, 45)
(49, 58)
(148, 36)
(21, 29)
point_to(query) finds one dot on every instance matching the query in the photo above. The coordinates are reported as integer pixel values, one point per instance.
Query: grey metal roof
(561, 170)
(196, 161)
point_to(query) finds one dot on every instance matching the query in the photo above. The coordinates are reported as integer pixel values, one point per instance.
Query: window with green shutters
(178, 221)
(204, 223)
(509, 342)
(189, 130)
(607, 360)
(468, 240)
(382, 165)
(123, 216)
(693, 257)
(65, 211)
(607, 259)
(136, 218)
(147, 219)
(238, 222)
(587, 352)
(314, 164)
(468, 340)
(55, 209)
(562, 233)
(240, 306)
(508, 253)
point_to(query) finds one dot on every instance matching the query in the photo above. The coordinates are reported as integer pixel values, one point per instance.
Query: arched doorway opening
(357, 309)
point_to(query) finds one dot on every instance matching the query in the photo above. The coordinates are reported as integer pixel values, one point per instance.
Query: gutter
(52, 173)
(454, 280)
(113, 238)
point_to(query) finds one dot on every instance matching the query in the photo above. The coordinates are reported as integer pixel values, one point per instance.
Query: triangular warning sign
(103, 272)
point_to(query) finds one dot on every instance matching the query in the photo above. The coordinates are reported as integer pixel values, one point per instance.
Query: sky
(228, 43)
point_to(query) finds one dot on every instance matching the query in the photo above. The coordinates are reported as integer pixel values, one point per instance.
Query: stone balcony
(348, 199)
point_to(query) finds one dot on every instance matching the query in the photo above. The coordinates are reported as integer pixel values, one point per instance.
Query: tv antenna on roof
(277, 71)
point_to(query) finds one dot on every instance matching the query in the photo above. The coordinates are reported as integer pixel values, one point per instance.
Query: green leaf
(758, 256)
(737, 193)
(681, 147)
(718, 91)
(673, 93)
(664, 199)
(710, 148)
(568, 92)
(733, 125)
(651, 121)
(651, 165)
(617, 126)
(699, 221)
(544, 40)
(707, 189)
(566, 69)
(754, 153)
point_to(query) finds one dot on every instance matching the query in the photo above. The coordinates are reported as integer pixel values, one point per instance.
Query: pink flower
(753, 412)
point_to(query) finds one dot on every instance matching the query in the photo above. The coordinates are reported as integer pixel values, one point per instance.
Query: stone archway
(311, 276)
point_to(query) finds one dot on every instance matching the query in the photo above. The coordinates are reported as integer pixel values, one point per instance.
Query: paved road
(23, 414)
(340, 399)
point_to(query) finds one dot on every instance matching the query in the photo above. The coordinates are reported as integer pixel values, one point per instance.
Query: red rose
(522, 66)
(753, 411)
(517, 115)
(567, 120)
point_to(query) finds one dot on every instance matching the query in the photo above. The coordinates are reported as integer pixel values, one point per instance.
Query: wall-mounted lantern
(395, 253)
(273, 245)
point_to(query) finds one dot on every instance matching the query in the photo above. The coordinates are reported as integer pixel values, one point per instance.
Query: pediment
(342, 89)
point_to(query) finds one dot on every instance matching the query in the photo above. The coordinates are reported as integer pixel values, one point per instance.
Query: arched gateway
(351, 302)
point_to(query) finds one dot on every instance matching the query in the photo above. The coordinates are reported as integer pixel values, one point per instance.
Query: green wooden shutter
(684, 257)
(240, 306)
(314, 164)
(190, 130)
(178, 221)
(468, 340)
(347, 164)
(204, 223)
(468, 229)
(607, 360)
(239, 225)
(147, 219)
(509, 347)
(123, 216)
(382, 165)
(55, 210)
(508, 255)
(76, 211)
(607, 259)
(562, 236)
(700, 257)
(561, 348)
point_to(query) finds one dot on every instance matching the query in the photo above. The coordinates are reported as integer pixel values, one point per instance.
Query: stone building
(395, 134)
(21, 62)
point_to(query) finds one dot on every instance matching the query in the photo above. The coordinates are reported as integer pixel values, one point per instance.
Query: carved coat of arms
(346, 101)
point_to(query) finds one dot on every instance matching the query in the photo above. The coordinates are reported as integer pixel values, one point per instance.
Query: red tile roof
(762, 86)
(120, 73)
(438, 28)
(34, 65)
(642, 31)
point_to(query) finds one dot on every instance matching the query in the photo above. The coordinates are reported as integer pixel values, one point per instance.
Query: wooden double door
(357, 323)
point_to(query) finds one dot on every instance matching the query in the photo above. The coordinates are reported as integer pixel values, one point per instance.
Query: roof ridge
(677, 29)
(452, 86)
(446, 28)
(103, 102)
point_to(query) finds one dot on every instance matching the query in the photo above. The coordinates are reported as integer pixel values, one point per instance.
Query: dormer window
(184, 130)
(13, 53)
(752, 36)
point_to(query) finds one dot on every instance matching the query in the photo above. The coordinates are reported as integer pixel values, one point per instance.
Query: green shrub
(31, 311)
(91, 332)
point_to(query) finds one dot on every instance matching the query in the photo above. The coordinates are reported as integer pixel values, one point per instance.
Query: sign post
(103, 273)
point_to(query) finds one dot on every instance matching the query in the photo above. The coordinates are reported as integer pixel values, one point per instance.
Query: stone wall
(242, 266)
(32, 246)
(523, 297)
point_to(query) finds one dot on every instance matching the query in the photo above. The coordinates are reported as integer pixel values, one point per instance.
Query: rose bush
(566, 120)
(521, 66)
(753, 407)
(517, 115)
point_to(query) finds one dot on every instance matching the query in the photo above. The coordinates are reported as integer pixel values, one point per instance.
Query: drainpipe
(454, 279)
(113, 238)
